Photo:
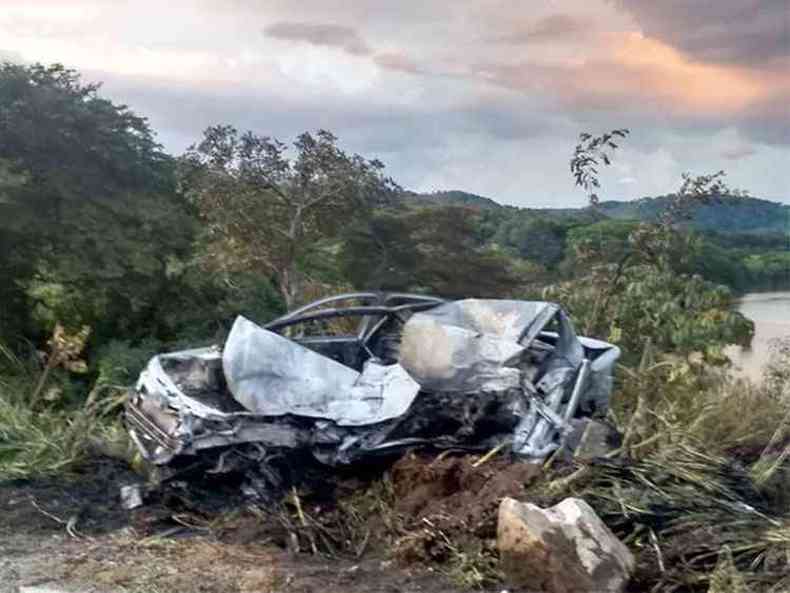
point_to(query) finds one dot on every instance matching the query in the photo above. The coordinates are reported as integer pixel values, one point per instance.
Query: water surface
(770, 312)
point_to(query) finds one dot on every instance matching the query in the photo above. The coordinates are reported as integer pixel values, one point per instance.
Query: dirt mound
(448, 504)
(428, 486)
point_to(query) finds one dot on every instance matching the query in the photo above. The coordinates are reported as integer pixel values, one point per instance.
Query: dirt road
(73, 536)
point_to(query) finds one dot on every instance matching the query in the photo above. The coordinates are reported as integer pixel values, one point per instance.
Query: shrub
(50, 435)
(118, 362)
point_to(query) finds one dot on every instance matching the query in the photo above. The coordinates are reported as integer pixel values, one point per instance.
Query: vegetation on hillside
(111, 250)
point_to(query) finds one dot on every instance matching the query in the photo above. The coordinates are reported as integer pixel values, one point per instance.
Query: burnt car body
(364, 374)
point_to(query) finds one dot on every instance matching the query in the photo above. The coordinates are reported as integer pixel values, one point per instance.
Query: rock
(562, 549)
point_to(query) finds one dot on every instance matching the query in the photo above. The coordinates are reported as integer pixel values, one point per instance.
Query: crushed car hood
(272, 376)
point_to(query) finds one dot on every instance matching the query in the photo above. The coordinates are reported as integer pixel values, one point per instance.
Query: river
(770, 312)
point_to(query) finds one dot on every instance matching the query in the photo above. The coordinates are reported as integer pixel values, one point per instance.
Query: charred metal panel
(467, 374)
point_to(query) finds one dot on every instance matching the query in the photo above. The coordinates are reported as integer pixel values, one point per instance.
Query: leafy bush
(117, 363)
(677, 313)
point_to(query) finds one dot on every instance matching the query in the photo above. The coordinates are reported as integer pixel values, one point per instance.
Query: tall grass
(680, 510)
(44, 438)
(667, 400)
(41, 442)
(701, 487)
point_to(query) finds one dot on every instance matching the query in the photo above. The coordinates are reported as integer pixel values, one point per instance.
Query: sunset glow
(494, 84)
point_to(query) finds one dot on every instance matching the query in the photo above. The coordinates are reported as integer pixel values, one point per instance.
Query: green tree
(607, 240)
(432, 249)
(453, 264)
(639, 281)
(379, 252)
(86, 184)
(65, 142)
(769, 270)
(538, 239)
(268, 211)
(678, 313)
(15, 268)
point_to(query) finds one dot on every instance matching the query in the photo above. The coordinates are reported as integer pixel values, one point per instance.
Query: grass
(665, 401)
(700, 490)
(680, 510)
(49, 437)
(36, 442)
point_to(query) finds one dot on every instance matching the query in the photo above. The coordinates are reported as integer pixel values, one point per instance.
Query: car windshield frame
(376, 310)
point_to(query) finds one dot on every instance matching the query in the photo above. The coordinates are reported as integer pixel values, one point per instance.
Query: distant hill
(724, 215)
(451, 198)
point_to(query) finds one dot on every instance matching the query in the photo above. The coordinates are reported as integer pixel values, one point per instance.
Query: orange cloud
(664, 72)
(638, 73)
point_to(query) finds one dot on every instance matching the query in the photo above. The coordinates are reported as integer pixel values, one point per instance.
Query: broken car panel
(366, 373)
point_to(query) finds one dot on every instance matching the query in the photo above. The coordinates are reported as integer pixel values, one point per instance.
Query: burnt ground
(428, 526)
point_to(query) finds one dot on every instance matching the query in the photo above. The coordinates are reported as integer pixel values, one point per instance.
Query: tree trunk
(289, 288)
(289, 284)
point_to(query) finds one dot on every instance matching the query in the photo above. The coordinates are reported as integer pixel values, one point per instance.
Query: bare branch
(590, 152)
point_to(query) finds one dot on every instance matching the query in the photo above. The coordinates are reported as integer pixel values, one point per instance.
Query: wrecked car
(364, 374)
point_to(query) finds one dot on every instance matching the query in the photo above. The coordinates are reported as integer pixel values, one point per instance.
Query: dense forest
(742, 241)
(102, 228)
(111, 250)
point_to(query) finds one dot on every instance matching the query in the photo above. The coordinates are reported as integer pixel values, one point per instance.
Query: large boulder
(562, 549)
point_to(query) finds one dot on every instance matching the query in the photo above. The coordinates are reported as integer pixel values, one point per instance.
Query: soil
(426, 485)
(455, 502)
(204, 536)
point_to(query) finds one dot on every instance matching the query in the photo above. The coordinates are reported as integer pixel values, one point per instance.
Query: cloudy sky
(482, 95)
